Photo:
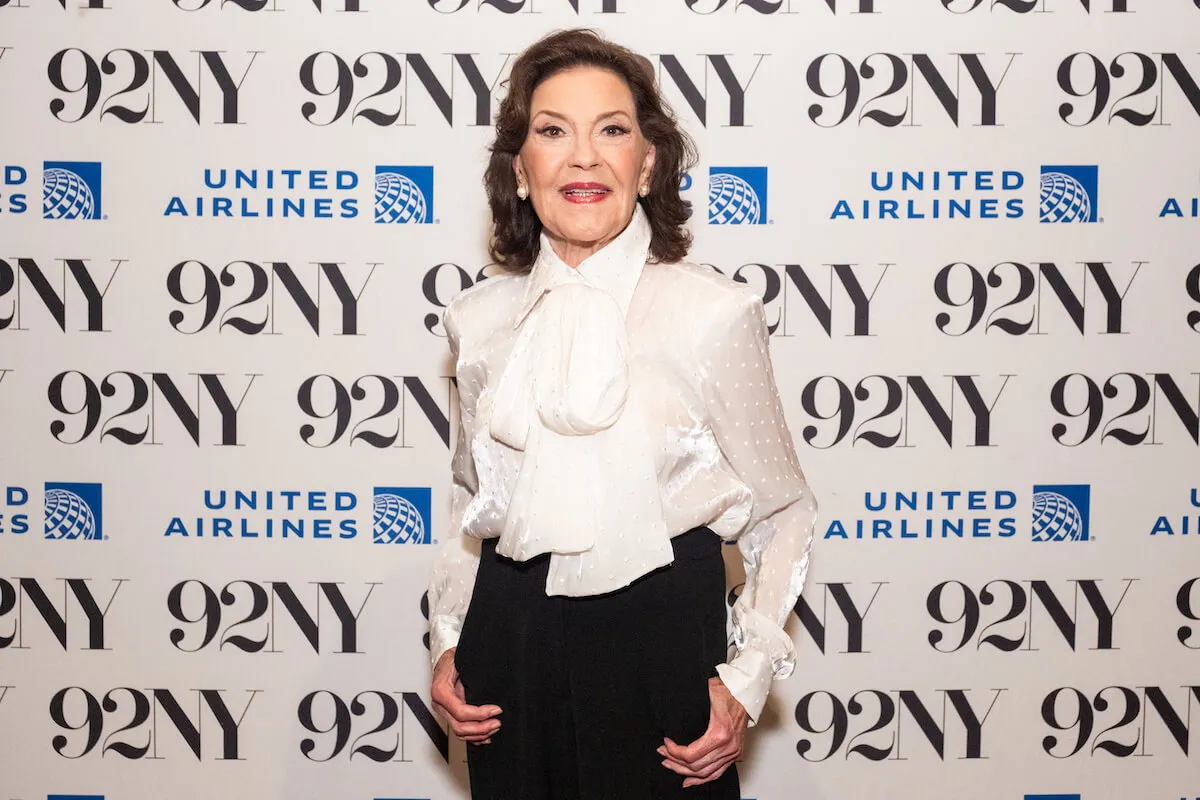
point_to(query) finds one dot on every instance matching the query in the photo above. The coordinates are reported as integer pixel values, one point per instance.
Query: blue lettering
(836, 530)
(1162, 525)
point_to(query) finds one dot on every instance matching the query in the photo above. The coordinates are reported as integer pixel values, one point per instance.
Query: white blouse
(607, 408)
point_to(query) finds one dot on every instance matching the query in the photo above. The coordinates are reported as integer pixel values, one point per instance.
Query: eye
(614, 129)
(550, 130)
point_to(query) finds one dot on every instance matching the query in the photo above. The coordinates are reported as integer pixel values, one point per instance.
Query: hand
(473, 724)
(709, 756)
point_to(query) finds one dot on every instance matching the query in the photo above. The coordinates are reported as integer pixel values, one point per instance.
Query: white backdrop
(225, 414)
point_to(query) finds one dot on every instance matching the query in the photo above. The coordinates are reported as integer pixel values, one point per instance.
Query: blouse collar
(614, 268)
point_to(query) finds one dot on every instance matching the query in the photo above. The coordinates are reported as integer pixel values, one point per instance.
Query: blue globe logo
(399, 199)
(68, 516)
(1056, 518)
(397, 521)
(1064, 199)
(732, 201)
(65, 195)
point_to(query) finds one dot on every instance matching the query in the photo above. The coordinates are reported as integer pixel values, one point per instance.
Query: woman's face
(583, 159)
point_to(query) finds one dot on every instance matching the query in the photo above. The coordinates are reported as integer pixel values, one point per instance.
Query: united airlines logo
(71, 190)
(74, 511)
(1061, 513)
(737, 196)
(402, 515)
(74, 797)
(1068, 194)
(1052, 797)
(404, 194)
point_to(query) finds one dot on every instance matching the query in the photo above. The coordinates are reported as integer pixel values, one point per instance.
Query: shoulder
(477, 311)
(700, 289)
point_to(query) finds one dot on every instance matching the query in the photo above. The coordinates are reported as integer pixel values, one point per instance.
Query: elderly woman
(619, 420)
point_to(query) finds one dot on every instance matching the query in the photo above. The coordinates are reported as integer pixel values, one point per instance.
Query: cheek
(628, 166)
(541, 166)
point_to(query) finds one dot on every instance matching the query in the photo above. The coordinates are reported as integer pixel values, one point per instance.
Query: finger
(478, 730)
(458, 709)
(681, 769)
(708, 778)
(706, 762)
(712, 739)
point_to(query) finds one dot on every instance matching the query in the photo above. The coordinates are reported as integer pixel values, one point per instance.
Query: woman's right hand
(473, 724)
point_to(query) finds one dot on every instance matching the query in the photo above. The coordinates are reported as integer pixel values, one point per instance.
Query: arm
(747, 418)
(454, 567)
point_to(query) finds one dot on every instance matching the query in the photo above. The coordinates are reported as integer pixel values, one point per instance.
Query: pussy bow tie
(587, 491)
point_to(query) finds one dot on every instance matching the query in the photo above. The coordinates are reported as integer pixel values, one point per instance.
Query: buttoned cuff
(748, 678)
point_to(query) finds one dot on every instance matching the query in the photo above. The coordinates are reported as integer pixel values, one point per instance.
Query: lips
(585, 192)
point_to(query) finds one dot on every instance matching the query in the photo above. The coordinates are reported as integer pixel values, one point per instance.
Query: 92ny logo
(76, 622)
(963, 86)
(250, 298)
(118, 721)
(138, 400)
(371, 725)
(948, 721)
(155, 83)
(1115, 720)
(880, 410)
(334, 404)
(1032, 299)
(960, 610)
(1135, 88)
(77, 299)
(247, 615)
(1127, 408)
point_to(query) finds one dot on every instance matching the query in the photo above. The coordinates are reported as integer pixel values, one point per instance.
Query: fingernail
(662, 751)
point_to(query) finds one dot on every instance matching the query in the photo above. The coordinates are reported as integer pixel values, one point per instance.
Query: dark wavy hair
(516, 227)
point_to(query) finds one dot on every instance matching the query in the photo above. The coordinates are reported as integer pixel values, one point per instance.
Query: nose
(583, 153)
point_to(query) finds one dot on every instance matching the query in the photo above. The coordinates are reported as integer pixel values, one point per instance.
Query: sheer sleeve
(453, 575)
(747, 418)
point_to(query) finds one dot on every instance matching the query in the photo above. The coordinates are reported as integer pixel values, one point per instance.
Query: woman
(619, 419)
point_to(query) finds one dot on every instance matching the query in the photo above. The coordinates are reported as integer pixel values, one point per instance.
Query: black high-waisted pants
(590, 686)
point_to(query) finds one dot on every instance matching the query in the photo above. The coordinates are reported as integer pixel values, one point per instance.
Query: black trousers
(590, 686)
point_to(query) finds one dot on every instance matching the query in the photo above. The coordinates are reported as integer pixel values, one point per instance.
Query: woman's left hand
(709, 756)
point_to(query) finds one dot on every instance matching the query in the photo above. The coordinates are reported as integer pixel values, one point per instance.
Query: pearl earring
(645, 190)
(522, 192)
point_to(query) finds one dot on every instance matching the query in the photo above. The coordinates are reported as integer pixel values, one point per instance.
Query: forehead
(582, 90)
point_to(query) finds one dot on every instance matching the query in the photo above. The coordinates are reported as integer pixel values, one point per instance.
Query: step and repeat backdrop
(228, 233)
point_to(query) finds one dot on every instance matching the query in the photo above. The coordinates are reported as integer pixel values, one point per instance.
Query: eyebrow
(563, 117)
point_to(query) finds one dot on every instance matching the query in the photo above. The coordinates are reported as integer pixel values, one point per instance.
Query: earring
(645, 190)
(522, 192)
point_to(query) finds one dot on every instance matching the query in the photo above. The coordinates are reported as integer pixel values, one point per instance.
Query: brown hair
(515, 236)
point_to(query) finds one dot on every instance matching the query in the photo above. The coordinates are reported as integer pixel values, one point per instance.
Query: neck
(574, 253)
